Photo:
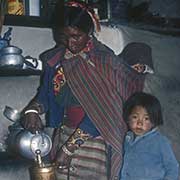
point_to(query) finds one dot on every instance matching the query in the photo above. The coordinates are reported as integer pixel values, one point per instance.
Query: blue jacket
(148, 157)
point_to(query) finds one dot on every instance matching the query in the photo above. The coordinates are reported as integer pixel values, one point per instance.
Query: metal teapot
(27, 143)
(22, 141)
(11, 58)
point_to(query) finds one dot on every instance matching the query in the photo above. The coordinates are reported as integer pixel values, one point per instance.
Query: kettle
(23, 142)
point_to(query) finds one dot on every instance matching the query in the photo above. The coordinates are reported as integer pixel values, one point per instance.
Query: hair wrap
(89, 11)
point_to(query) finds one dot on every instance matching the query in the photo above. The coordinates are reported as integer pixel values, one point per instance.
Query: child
(147, 154)
(138, 55)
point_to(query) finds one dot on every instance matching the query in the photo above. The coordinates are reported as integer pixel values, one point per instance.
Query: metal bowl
(10, 50)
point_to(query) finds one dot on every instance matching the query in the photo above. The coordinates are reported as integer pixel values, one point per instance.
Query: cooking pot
(10, 50)
(9, 61)
(23, 142)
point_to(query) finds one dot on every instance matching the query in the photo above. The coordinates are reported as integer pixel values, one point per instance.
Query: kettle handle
(31, 65)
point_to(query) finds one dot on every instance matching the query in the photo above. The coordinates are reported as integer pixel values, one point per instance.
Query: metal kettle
(23, 142)
(11, 58)
(27, 143)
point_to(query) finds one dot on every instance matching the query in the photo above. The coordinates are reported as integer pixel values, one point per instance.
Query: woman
(82, 91)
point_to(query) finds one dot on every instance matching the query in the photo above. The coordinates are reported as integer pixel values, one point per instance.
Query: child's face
(139, 121)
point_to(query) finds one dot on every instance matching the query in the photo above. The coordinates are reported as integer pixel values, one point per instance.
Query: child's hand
(139, 67)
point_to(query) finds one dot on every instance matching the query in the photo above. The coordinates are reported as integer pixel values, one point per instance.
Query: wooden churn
(41, 171)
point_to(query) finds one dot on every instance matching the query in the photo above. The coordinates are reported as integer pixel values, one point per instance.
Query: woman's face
(139, 121)
(76, 39)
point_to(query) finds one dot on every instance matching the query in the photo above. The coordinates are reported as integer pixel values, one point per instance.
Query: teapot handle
(41, 134)
(29, 64)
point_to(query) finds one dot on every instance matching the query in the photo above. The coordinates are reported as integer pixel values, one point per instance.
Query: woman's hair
(147, 101)
(70, 16)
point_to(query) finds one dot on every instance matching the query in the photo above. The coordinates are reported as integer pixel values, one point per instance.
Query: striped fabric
(88, 162)
(101, 90)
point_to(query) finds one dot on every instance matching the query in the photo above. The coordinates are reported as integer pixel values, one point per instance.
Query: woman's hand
(64, 157)
(32, 122)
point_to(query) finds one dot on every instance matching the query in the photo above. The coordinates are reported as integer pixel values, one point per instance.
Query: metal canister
(42, 173)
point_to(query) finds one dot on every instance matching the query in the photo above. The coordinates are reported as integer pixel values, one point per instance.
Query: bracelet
(78, 138)
(66, 151)
(31, 110)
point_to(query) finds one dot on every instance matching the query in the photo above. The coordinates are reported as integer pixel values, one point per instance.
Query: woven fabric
(88, 162)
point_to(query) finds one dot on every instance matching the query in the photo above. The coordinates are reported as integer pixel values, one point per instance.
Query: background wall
(163, 8)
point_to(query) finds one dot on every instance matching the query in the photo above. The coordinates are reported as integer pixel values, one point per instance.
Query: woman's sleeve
(127, 80)
(43, 90)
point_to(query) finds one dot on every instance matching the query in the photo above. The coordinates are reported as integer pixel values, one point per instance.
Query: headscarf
(89, 10)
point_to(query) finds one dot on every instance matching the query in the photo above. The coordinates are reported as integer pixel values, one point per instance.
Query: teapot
(22, 141)
(11, 58)
(25, 143)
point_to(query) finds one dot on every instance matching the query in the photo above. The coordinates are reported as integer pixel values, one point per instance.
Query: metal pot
(16, 61)
(10, 50)
(10, 61)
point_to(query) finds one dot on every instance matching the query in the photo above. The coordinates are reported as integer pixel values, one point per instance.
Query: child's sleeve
(171, 165)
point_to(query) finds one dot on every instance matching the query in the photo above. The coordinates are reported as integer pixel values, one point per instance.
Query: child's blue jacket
(148, 157)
